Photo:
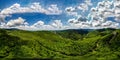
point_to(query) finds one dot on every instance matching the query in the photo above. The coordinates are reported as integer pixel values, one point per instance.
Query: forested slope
(66, 44)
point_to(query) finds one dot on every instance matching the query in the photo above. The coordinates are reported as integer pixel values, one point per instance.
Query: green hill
(101, 44)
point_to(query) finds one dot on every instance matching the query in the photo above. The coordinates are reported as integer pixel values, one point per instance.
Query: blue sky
(64, 11)
(34, 17)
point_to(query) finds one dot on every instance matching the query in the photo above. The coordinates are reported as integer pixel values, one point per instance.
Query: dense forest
(101, 44)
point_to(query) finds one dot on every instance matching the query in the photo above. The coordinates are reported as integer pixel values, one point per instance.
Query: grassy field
(101, 44)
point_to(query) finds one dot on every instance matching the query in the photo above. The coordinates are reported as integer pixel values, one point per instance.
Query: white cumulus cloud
(16, 22)
(57, 24)
(71, 11)
(84, 6)
(34, 7)
(39, 23)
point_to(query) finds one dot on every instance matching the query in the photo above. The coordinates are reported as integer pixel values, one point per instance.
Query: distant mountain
(69, 44)
(10, 29)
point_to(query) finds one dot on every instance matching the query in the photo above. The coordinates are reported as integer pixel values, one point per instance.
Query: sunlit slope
(67, 44)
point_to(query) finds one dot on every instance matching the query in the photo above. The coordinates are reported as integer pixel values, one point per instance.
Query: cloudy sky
(59, 14)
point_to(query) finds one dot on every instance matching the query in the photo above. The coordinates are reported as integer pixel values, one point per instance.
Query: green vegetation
(67, 44)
